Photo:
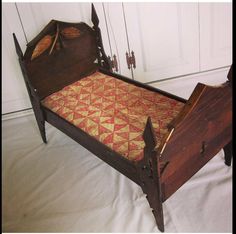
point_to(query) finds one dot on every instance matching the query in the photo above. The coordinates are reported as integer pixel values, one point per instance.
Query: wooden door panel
(117, 35)
(164, 37)
(35, 16)
(215, 35)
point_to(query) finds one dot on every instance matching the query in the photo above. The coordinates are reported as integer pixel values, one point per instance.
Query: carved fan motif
(70, 32)
(42, 46)
(47, 41)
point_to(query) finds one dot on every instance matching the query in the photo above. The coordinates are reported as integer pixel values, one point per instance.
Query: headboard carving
(70, 55)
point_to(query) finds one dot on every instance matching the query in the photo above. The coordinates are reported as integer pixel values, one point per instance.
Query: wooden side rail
(200, 131)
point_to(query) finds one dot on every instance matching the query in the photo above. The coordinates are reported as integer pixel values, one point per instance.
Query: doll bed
(156, 139)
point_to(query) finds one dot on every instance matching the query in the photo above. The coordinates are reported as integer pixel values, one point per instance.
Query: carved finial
(149, 135)
(17, 46)
(95, 19)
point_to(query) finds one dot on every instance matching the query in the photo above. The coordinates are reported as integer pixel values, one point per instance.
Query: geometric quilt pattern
(114, 112)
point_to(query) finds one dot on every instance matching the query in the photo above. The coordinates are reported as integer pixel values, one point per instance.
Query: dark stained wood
(228, 153)
(202, 122)
(32, 92)
(103, 60)
(50, 83)
(17, 46)
(49, 73)
(230, 75)
(149, 173)
(94, 17)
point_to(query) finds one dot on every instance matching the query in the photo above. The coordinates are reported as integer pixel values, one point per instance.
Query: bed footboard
(196, 135)
(200, 131)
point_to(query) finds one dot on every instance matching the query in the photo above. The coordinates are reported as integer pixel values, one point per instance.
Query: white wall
(14, 94)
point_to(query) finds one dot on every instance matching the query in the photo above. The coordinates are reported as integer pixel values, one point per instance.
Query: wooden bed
(156, 139)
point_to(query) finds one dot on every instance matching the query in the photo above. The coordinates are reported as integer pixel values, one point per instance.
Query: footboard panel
(201, 130)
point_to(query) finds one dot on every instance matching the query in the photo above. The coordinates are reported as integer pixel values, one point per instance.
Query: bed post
(102, 58)
(34, 99)
(228, 148)
(149, 173)
(228, 153)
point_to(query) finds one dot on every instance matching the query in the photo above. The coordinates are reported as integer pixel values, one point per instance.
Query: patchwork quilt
(114, 112)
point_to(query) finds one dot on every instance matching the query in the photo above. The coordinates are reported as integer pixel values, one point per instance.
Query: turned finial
(149, 135)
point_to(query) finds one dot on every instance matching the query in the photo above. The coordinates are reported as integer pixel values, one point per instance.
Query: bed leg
(228, 153)
(150, 177)
(41, 126)
(39, 118)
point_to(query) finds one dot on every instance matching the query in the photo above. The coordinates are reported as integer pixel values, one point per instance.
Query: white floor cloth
(62, 187)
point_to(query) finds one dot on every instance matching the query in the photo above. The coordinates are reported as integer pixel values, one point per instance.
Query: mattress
(114, 112)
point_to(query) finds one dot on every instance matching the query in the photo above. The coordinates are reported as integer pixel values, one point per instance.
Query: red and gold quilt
(114, 112)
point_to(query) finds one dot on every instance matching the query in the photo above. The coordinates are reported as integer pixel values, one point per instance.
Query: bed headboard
(61, 54)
